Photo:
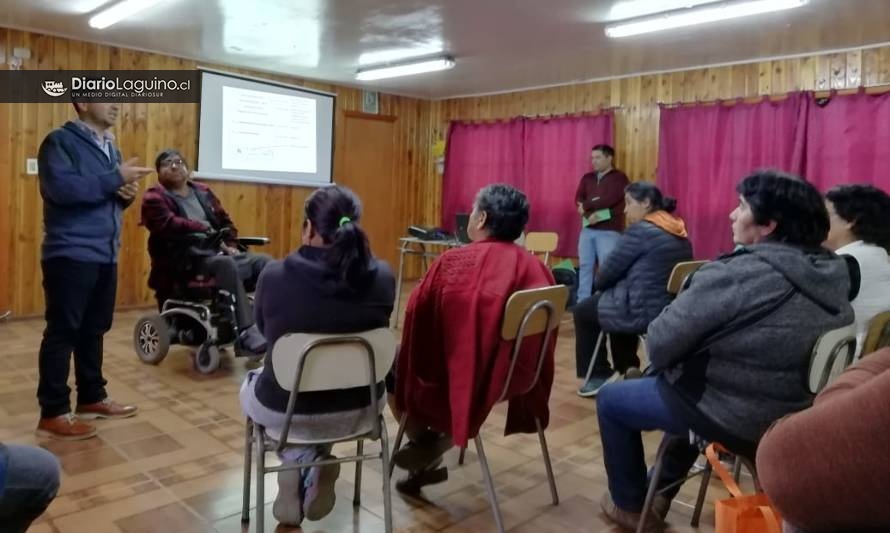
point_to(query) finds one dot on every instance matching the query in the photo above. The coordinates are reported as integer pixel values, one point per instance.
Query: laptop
(461, 222)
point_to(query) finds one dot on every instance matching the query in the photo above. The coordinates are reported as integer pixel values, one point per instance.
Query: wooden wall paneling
(854, 69)
(871, 66)
(807, 74)
(837, 71)
(884, 66)
(5, 204)
(5, 190)
(764, 77)
(145, 129)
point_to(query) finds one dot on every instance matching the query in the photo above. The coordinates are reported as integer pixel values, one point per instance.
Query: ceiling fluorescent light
(392, 70)
(700, 15)
(630, 9)
(119, 12)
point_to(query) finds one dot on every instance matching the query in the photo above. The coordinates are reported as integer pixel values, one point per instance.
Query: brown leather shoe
(627, 519)
(106, 409)
(65, 427)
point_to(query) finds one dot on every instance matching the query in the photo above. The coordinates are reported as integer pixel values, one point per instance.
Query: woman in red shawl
(452, 362)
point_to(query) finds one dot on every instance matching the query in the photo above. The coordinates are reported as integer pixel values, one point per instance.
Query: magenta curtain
(848, 141)
(704, 150)
(545, 158)
(477, 155)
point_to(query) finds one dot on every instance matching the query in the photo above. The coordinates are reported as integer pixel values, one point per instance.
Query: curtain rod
(601, 111)
(822, 93)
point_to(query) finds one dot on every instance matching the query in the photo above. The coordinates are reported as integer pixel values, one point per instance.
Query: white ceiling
(499, 45)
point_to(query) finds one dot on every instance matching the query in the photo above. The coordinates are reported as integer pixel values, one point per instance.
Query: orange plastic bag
(743, 513)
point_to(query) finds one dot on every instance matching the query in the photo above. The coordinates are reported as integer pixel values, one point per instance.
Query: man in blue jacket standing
(85, 188)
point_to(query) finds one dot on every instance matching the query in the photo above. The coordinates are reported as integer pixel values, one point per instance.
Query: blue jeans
(594, 245)
(32, 481)
(625, 409)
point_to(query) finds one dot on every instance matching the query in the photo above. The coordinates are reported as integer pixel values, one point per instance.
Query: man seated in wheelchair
(182, 217)
(453, 364)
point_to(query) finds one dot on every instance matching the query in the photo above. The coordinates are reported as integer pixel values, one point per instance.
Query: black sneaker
(416, 480)
(253, 341)
(415, 457)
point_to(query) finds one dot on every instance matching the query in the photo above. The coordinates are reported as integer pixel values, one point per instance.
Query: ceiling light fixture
(392, 70)
(120, 11)
(631, 9)
(700, 15)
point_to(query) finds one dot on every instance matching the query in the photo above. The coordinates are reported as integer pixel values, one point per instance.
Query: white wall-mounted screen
(251, 130)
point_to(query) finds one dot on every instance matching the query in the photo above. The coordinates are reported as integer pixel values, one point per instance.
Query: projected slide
(263, 131)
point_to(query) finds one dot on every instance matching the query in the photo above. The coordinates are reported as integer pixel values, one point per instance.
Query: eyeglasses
(174, 163)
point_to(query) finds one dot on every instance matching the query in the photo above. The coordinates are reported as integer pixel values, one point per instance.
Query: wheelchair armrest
(253, 241)
(189, 238)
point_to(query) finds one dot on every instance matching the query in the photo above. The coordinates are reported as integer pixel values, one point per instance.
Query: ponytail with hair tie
(347, 251)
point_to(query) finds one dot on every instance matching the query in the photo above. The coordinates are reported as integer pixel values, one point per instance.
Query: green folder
(602, 215)
(565, 264)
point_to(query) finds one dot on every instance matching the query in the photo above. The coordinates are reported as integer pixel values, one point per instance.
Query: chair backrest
(681, 274)
(541, 242)
(833, 352)
(306, 362)
(331, 362)
(878, 333)
(531, 312)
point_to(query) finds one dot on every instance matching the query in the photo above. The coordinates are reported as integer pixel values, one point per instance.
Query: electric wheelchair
(195, 312)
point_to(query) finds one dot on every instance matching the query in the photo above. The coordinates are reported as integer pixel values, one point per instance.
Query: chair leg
(737, 469)
(489, 484)
(463, 453)
(554, 496)
(387, 498)
(395, 447)
(752, 469)
(596, 350)
(702, 492)
(645, 350)
(248, 440)
(653, 483)
(357, 496)
(260, 475)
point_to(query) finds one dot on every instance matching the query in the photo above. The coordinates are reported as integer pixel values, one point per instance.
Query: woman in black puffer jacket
(631, 285)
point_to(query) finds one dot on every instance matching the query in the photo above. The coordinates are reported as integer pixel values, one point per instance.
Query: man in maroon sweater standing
(600, 201)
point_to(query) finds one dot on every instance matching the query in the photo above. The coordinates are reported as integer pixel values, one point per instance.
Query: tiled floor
(176, 467)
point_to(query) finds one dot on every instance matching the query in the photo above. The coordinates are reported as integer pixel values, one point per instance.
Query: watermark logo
(54, 88)
(120, 86)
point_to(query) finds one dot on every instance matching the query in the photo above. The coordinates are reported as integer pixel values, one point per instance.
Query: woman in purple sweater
(826, 468)
(331, 284)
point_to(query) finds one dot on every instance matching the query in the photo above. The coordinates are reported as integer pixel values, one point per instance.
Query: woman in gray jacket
(731, 353)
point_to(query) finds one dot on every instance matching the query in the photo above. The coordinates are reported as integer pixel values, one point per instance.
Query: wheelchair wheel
(151, 339)
(207, 358)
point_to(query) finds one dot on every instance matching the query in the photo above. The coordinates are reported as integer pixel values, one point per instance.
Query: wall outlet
(31, 166)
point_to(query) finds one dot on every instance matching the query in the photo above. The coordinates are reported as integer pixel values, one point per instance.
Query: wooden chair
(877, 335)
(542, 242)
(527, 313)
(307, 362)
(681, 275)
